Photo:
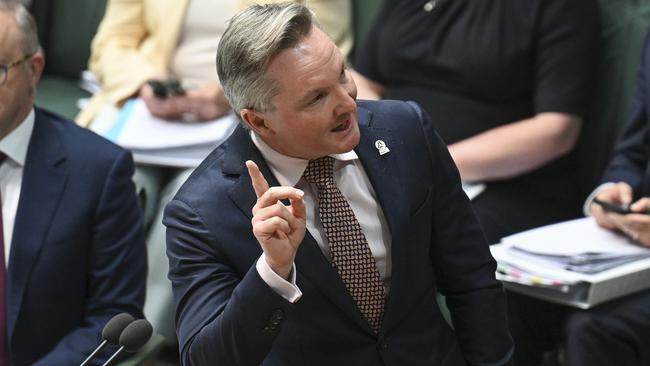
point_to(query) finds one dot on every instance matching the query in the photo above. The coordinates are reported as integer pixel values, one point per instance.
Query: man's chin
(352, 139)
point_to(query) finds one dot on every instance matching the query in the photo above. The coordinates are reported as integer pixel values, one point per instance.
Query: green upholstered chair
(66, 29)
(624, 24)
(363, 12)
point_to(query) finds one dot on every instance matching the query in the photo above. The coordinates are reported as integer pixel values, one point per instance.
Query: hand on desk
(202, 104)
(278, 228)
(636, 225)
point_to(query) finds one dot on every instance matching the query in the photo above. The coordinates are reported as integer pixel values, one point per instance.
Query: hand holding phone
(623, 210)
(612, 207)
(166, 88)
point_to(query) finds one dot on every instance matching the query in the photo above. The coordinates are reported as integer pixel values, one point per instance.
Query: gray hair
(252, 38)
(25, 22)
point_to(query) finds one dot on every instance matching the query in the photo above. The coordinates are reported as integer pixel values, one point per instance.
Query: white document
(160, 142)
(572, 238)
(524, 271)
(136, 128)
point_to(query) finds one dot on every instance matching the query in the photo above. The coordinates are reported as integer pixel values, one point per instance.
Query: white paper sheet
(136, 128)
(573, 237)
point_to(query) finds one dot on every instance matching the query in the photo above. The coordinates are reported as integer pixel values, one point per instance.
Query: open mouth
(342, 127)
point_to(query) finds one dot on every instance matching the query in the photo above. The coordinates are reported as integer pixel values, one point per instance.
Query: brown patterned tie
(350, 251)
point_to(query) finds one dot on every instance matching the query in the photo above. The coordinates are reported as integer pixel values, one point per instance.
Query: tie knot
(320, 171)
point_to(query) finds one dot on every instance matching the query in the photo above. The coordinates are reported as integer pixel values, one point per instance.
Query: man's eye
(317, 98)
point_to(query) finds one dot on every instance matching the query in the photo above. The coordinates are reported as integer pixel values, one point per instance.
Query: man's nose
(345, 102)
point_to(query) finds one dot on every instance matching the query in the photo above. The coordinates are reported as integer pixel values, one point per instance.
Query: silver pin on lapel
(381, 147)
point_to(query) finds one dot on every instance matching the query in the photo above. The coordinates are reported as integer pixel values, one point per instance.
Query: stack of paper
(575, 262)
(577, 245)
(161, 142)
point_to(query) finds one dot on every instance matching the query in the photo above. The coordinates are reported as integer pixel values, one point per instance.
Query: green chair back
(624, 25)
(364, 12)
(66, 29)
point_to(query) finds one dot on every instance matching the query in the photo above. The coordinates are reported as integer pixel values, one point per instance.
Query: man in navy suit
(263, 270)
(617, 332)
(72, 253)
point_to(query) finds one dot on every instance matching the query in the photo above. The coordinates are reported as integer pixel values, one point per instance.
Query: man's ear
(37, 64)
(256, 121)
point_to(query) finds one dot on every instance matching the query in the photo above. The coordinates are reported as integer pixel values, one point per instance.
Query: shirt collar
(288, 170)
(16, 143)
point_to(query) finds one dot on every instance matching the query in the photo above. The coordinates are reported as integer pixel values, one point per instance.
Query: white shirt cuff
(287, 289)
(590, 199)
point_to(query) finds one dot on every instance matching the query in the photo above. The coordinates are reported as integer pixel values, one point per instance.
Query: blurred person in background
(506, 83)
(616, 332)
(72, 251)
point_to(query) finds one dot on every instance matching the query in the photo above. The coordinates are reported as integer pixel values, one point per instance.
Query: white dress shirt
(353, 182)
(14, 146)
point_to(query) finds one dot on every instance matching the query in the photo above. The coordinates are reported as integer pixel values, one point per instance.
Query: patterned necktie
(350, 251)
(4, 342)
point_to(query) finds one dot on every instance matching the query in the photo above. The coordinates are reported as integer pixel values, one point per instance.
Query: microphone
(111, 333)
(133, 337)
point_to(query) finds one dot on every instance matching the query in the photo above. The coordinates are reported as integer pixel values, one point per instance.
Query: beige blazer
(137, 38)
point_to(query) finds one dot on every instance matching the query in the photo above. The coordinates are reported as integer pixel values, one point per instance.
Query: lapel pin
(381, 147)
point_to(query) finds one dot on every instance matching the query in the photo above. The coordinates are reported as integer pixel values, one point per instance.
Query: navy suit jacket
(77, 254)
(227, 315)
(631, 160)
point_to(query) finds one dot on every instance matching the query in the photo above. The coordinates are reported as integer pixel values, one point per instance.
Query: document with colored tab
(574, 262)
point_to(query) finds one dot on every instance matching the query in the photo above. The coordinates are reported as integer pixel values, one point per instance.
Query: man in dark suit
(72, 244)
(331, 248)
(617, 332)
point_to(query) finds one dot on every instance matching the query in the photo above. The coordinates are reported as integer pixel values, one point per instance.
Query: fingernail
(300, 193)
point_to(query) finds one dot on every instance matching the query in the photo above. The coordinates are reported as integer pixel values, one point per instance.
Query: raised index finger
(260, 185)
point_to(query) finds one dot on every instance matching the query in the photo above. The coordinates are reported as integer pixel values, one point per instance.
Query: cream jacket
(137, 38)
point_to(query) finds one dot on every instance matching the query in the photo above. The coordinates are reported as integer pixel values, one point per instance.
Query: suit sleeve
(222, 318)
(463, 264)
(632, 152)
(117, 266)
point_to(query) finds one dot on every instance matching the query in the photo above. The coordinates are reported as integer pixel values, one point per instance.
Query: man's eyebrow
(310, 94)
(313, 92)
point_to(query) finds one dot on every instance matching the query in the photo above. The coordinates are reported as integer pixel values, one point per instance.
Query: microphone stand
(99, 348)
(108, 362)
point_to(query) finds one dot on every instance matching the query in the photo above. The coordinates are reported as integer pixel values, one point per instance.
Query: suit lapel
(44, 178)
(313, 269)
(382, 170)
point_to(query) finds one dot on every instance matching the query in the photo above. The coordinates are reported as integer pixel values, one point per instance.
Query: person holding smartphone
(617, 332)
(615, 207)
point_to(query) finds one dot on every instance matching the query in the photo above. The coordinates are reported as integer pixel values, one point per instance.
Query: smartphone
(174, 87)
(166, 88)
(159, 88)
(612, 207)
